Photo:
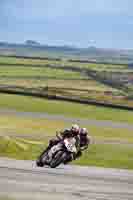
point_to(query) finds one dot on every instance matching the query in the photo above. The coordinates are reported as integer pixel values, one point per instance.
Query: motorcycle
(58, 153)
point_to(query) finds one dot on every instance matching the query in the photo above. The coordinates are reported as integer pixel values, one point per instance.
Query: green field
(23, 82)
(30, 72)
(35, 74)
(90, 85)
(36, 62)
(64, 108)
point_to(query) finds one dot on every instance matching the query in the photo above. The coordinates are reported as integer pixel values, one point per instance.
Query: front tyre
(58, 159)
(39, 163)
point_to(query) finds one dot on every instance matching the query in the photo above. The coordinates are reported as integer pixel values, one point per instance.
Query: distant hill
(32, 42)
(92, 53)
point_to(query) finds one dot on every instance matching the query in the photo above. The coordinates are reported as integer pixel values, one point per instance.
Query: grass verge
(19, 149)
(112, 156)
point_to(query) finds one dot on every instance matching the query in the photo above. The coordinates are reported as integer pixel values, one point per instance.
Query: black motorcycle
(58, 153)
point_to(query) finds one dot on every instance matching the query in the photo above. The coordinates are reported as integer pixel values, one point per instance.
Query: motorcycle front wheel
(58, 159)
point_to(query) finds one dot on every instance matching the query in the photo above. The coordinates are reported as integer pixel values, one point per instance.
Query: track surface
(23, 180)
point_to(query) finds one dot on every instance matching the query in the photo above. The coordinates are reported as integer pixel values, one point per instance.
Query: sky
(81, 23)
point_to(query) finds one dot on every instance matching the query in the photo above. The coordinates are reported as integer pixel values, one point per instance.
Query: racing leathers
(67, 133)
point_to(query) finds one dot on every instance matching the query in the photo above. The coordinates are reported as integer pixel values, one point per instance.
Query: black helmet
(83, 131)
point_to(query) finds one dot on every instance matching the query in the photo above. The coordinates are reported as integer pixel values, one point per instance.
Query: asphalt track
(23, 180)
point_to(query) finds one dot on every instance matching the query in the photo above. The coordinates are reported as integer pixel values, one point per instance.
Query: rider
(84, 139)
(72, 132)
